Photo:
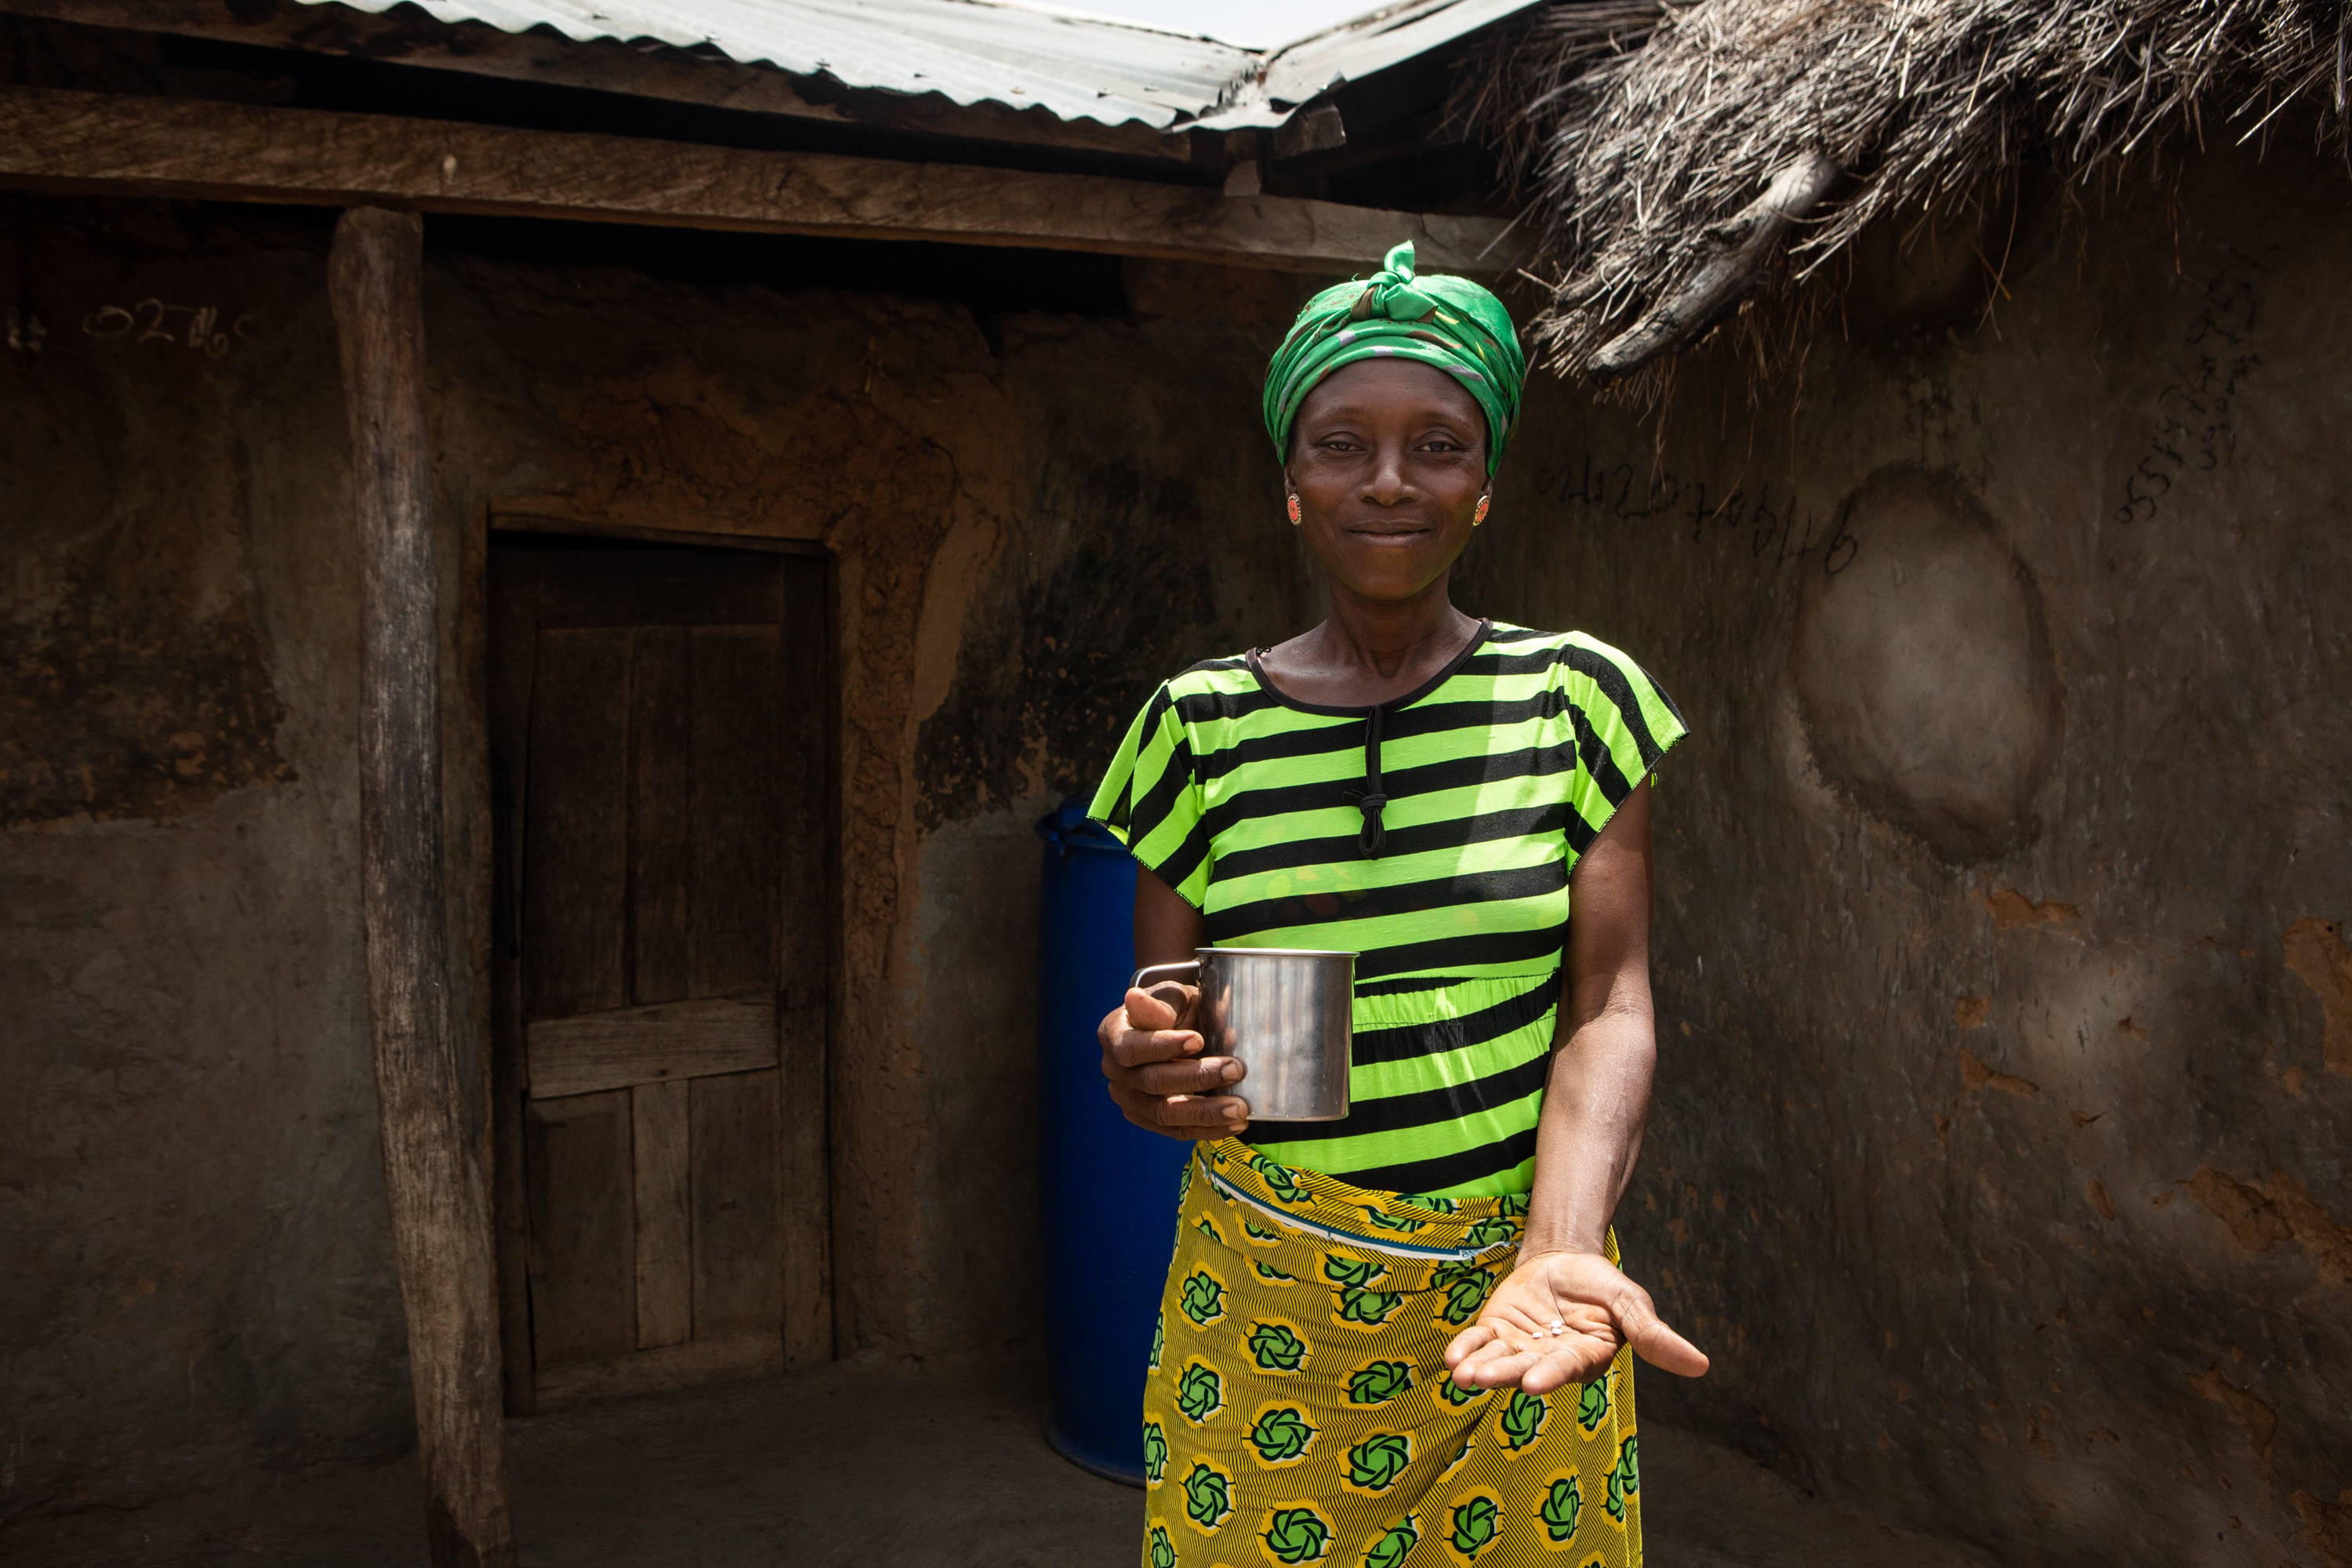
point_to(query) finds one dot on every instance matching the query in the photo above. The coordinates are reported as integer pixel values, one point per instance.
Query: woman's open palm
(1559, 1318)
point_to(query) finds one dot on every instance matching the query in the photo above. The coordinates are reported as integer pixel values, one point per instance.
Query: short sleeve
(1624, 723)
(1151, 800)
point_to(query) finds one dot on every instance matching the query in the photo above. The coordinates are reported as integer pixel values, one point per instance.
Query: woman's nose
(1387, 484)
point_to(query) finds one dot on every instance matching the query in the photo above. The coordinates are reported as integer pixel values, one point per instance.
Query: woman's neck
(1367, 652)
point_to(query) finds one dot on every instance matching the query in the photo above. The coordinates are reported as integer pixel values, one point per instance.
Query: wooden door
(660, 766)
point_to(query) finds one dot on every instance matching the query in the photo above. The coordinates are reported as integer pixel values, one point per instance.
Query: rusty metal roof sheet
(1351, 51)
(1074, 67)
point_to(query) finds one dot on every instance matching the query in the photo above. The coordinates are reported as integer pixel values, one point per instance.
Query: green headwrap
(1450, 323)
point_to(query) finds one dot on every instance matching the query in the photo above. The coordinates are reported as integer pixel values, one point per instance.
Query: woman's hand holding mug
(1151, 1057)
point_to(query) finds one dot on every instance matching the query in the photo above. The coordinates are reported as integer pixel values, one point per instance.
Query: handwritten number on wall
(152, 320)
(2193, 429)
(1770, 523)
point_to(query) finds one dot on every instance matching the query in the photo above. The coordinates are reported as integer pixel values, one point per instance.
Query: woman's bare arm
(1597, 1100)
(1564, 1309)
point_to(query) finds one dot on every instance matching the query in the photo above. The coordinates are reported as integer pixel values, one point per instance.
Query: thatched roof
(1678, 152)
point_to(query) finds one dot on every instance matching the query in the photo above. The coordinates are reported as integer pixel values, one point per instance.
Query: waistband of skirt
(1400, 1224)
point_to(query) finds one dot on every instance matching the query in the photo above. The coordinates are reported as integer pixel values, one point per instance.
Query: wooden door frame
(479, 875)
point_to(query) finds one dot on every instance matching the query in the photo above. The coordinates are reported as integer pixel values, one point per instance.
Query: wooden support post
(434, 1172)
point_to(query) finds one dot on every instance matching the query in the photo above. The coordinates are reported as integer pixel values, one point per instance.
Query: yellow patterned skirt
(1298, 1409)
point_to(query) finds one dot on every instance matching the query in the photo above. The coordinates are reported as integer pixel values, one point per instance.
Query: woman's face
(1387, 458)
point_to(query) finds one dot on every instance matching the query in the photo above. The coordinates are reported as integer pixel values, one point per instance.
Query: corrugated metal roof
(1354, 50)
(968, 51)
(987, 51)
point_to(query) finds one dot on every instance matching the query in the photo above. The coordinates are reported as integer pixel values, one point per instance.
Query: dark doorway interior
(659, 739)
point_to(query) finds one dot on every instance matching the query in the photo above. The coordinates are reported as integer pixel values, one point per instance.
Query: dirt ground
(870, 1462)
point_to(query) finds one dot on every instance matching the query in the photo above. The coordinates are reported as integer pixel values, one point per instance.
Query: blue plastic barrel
(1106, 1188)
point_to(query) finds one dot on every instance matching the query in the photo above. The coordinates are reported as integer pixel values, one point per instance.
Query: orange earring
(1292, 507)
(1480, 515)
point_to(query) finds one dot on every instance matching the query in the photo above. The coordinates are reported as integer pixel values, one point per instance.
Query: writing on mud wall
(1778, 528)
(2193, 432)
(198, 326)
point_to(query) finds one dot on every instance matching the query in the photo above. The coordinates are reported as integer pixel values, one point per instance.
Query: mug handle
(1166, 972)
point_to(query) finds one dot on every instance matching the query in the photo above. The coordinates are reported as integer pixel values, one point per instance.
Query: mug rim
(1282, 951)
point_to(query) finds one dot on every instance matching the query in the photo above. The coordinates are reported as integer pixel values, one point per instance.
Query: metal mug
(1285, 1013)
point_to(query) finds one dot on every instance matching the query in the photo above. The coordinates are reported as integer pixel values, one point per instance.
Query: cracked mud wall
(1998, 1154)
(201, 1282)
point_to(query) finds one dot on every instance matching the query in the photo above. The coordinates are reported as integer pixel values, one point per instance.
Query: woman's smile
(1389, 532)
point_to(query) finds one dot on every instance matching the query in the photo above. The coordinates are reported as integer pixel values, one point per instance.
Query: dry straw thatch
(1678, 150)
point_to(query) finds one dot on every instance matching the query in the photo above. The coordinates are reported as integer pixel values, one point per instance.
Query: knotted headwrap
(1450, 323)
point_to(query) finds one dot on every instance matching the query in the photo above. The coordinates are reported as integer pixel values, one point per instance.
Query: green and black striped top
(1433, 836)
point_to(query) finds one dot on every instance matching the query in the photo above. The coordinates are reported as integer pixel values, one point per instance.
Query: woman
(1400, 1335)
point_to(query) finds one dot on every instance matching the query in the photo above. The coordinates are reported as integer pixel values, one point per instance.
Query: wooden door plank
(514, 632)
(576, 853)
(806, 1219)
(684, 1366)
(808, 918)
(738, 826)
(738, 1281)
(583, 1252)
(630, 585)
(664, 1232)
(631, 1045)
(661, 840)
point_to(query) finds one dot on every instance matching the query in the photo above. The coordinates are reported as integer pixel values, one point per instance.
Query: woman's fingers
(1139, 1047)
(1208, 1075)
(1655, 1343)
(1495, 1364)
(1145, 1030)
(1557, 1369)
(1146, 1011)
(1636, 1318)
(1536, 1362)
(1167, 1005)
(1180, 1115)
(1157, 1074)
(1470, 1338)
(1220, 1114)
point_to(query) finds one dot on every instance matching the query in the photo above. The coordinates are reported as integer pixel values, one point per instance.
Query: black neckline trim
(1453, 668)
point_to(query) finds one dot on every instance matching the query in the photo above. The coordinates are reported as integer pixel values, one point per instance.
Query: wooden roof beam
(104, 143)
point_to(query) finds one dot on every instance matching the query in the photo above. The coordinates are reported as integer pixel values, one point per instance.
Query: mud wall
(200, 1281)
(1998, 1154)
(199, 1272)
